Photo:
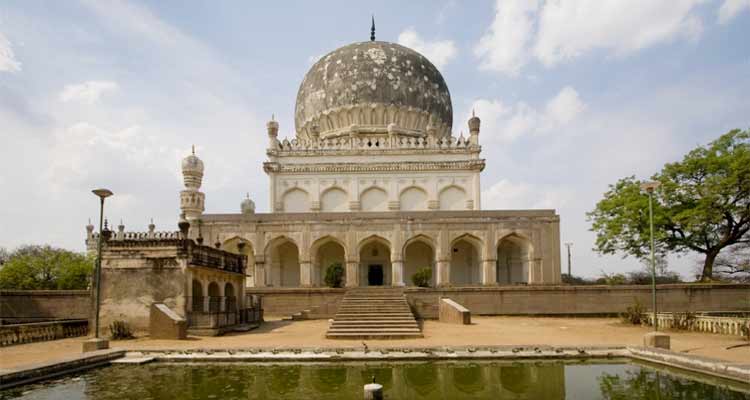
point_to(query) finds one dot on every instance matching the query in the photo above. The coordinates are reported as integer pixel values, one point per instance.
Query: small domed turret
(247, 206)
(192, 171)
(474, 123)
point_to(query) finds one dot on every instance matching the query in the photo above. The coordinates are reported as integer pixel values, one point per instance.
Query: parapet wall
(527, 300)
(582, 300)
(23, 306)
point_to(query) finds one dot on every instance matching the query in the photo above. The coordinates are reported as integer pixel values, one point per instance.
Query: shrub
(633, 314)
(422, 277)
(120, 330)
(334, 275)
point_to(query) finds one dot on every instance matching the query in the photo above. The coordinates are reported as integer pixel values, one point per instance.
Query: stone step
(372, 322)
(378, 336)
(375, 307)
(333, 328)
(368, 314)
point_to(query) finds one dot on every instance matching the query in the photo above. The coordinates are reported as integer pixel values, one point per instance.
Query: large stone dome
(365, 87)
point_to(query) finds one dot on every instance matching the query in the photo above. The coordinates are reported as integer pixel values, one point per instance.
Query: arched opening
(284, 261)
(452, 198)
(465, 262)
(214, 297)
(197, 303)
(374, 199)
(418, 253)
(229, 297)
(513, 255)
(334, 200)
(233, 245)
(413, 199)
(326, 252)
(375, 262)
(296, 200)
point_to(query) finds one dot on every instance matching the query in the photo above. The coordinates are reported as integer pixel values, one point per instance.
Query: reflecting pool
(407, 380)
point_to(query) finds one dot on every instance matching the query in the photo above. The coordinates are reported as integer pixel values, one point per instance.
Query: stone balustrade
(373, 142)
(42, 331)
(700, 322)
(205, 256)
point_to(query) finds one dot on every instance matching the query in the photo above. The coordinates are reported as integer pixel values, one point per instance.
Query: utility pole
(568, 245)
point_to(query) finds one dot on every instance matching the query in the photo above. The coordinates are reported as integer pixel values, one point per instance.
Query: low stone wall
(582, 300)
(25, 306)
(454, 313)
(323, 302)
(526, 300)
(42, 331)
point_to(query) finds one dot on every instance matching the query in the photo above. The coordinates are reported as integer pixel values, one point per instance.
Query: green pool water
(414, 380)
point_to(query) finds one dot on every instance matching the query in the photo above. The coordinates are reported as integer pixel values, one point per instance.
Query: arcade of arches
(375, 261)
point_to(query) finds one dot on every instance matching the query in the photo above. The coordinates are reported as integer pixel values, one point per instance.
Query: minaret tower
(192, 200)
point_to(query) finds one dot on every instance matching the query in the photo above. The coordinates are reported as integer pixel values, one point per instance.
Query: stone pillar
(443, 273)
(489, 273)
(352, 274)
(305, 273)
(260, 274)
(397, 273)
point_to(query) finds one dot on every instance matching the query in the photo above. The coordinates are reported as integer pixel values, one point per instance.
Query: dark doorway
(375, 275)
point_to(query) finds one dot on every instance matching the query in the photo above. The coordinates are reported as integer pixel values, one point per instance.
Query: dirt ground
(483, 331)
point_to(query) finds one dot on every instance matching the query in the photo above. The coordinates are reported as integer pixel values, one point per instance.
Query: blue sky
(573, 95)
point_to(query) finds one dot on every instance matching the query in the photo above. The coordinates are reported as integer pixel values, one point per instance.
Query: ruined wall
(22, 306)
(134, 278)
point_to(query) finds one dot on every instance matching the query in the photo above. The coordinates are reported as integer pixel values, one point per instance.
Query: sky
(573, 95)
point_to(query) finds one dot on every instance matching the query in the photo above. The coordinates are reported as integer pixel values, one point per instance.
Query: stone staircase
(374, 313)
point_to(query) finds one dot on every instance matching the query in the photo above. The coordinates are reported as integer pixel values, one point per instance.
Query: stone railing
(373, 142)
(727, 324)
(205, 256)
(42, 331)
(140, 235)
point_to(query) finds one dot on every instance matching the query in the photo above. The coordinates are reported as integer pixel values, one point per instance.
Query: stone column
(397, 273)
(260, 274)
(305, 273)
(443, 274)
(352, 274)
(489, 272)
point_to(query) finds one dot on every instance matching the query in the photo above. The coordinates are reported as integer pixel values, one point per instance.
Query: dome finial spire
(372, 29)
(193, 149)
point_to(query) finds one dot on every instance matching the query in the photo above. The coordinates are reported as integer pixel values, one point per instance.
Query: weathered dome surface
(348, 84)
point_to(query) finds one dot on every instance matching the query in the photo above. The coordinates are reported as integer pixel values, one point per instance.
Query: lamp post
(102, 194)
(649, 187)
(569, 245)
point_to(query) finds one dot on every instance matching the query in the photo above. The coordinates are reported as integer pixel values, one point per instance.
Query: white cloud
(507, 123)
(8, 61)
(439, 52)
(508, 195)
(572, 28)
(504, 47)
(87, 92)
(731, 8)
(558, 31)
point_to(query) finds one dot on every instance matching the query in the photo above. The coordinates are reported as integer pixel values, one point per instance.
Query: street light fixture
(649, 187)
(569, 245)
(102, 194)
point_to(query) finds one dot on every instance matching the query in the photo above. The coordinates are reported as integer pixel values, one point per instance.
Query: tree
(734, 265)
(33, 267)
(334, 275)
(703, 205)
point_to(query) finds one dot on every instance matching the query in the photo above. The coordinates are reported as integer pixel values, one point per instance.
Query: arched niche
(374, 262)
(233, 245)
(296, 200)
(514, 253)
(282, 255)
(413, 199)
(374, 199)
(214, 297)
(452, 198)
(325, 252)
(465, 261)
(419, 252)
(197, 301)
(334, 200)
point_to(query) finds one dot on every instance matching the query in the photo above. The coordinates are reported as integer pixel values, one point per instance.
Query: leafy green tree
(33, 267)
(334, 275)
(703, 205)
(422, 277)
